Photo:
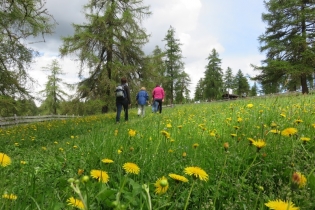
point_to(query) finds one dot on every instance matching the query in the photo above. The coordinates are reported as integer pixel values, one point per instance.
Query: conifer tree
(213, 80)
(109, 45)
(253, 90)
(174, 64)
(199, 91)
(53, 93)
(241, 84)
(20, 20)
(228, 79)
(289, 45)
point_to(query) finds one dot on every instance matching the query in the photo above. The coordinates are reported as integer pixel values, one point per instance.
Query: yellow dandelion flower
(101, 176)
(44, 148)
(273, 124)
(119, 151)
(313, 125)
(4, 160)
(239, 119)
(275, 131)
(298, 121)
(289, 132)
(195, 145)
(80, 171)
(23, 162)
(197, 172)
(211, 133)
(106, 160)
(305, 139)
(281, 205)
(168, 125)
(56, 142)
(283, 115)
(9, 196)
(170, 151)
(166, 134)
(233, 134)
(251, 140)
(249, 105)
(226, 146)
(236, 127)
(184, 154)
(299, 179)
(161, 186)
(75, 203)
(180, 126)
(259, 144)
(131, 168)
(132, 133)
(178, 178)
(72, 137)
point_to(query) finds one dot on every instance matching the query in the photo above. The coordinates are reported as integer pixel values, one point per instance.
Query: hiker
(158, 96)
(142, 98)
(122, 99)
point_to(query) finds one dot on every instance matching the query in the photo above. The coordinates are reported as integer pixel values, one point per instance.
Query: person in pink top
(158, 96)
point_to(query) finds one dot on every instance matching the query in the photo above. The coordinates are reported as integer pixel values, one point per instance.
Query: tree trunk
(304, 84)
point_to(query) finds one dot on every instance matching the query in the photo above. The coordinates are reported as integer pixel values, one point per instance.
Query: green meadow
(240, 154)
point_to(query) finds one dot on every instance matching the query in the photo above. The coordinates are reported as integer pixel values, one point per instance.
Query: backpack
(120, 91)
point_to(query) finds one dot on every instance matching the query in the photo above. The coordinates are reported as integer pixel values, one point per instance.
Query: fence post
(15, 119)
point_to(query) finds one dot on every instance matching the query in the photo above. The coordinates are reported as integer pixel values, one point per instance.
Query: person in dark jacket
(142, 98)
(123, 102)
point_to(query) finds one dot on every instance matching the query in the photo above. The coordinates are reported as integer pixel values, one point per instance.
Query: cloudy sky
(231, 27)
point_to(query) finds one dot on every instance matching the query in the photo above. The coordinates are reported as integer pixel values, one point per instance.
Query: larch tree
(228, 79)
(19, 21)
(213, 79)
(109, 47)
(289, 45)
(241, 84)
(154, 70)
(182, 88)
(253, 90)
(53, 94)
(174, 64)
(200, 90)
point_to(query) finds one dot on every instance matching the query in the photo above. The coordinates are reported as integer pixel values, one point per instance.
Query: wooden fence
(11, 121)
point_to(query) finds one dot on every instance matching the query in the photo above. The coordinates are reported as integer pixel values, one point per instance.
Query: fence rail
(15, 120)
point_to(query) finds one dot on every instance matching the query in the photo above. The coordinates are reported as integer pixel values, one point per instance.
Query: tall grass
(51, 162)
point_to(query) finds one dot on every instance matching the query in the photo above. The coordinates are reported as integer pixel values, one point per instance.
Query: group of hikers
(123, 99)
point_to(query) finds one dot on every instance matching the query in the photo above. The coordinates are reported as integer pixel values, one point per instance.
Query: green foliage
(241, 84)
(10, 107)
(77, 107)
(253, 90)
(176, 80)
(53, 93)
(289, 45)
(109, 46)
(213, 80)
(199, 91)
(228, 80)
(20, 20)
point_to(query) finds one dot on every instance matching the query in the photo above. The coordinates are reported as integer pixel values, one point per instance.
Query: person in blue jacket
(142, 98)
